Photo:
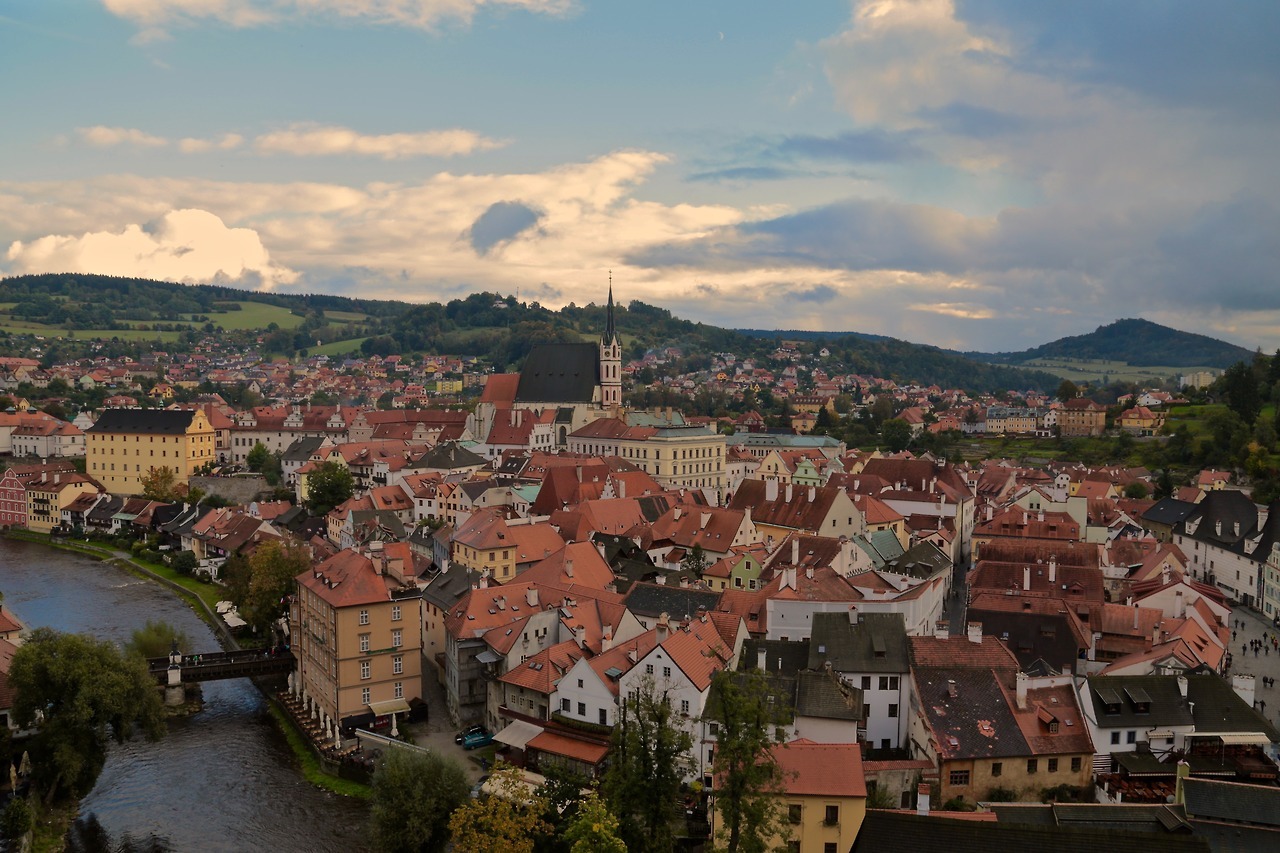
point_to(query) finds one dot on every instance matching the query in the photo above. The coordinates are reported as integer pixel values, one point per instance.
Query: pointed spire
(610, 334)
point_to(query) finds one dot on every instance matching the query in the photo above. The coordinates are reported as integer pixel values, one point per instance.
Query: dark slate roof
(560, 373)
(646, 599)
(923, 560)
(1169, 511)
(1031, 636)
(447, 588)
(449, 456)
(1218, 516)
(1236, 802)
(301, 449)
(878, 643)
(105, 510)
(974, 723)
(822, 694)
(892, 830)
(1168, 708)
(152, 421)
(1218, 708)
(1135, 817)
(786, 657)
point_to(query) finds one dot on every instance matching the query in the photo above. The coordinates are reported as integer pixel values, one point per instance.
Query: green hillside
(1135, 342)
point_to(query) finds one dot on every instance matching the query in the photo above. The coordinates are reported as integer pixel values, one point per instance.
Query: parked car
(469, 730)
(475, 740)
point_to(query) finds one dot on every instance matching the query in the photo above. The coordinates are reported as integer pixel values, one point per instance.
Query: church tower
(610, 360)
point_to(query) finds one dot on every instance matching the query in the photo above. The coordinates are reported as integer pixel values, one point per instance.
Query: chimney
(515, 417)
(762, 659)
(991, 512)
(795, 551)
(789, 577)
(808, 572)
(1135, 617)
(606, 639)
(1182, 686)
(631, 654)
(704, 519)
(922, 799)
(974, 630)
(941, 630)
(484, 581)
(813, 493)
(771, 490)
(1040, 517)
(853, 615)
(675, 513)
(1179, 794)
(1179, 605)
(1053, 570)
(568, 568)
(1237, 528)
(531, 596)
(1026, 579)
(601, 551)
(1217, 527)
(622, 488)
(1021, 690)
(664, 627)
(788, 498)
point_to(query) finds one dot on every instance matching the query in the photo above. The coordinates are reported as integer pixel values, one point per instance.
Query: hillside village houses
(978, 628)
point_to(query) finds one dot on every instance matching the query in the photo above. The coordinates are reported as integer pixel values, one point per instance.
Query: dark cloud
(503, 221)
(1227, 256)
(817, 293)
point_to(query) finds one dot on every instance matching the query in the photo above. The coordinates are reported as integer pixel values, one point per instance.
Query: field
(252, 315)
(1099, 371)
(338, 347)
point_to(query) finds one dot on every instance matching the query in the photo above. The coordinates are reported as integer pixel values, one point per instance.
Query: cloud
(101, 136)
(154, 15)
(316, 141)
(501, 222)
(865, 146)
(226, 142)
(745, 173)
(183, 245)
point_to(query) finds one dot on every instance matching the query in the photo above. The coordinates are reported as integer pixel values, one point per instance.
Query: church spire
(609, 332)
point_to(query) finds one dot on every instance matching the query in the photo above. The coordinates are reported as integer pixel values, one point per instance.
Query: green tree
(1137, 490)
(160, 484)
(648, 760)
(156, 639)
(17, 819)
(413, 796)
(258, 457)
(508, 821)
(1067, 390)
(184, 561)
(85, 690)
(328, 486)
(695, 562)
(1240, 392)
(896, 434)
(272, 569)
(594, 829)
(748, 778)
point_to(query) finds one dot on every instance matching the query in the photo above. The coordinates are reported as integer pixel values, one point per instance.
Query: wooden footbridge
(246, 663)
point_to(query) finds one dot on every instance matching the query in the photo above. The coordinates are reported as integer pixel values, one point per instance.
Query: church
(579, 382)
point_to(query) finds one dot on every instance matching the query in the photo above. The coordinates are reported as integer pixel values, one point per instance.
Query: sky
(976, 174)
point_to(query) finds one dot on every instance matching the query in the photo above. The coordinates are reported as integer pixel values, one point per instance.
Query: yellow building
(824, 797)
(355, 625)
(48, 496)
(124, 445)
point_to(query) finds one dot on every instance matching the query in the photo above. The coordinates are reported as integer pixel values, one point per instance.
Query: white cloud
(226, 142)
(183, 245)
(305, 140)
(101, 136)
(153, 15)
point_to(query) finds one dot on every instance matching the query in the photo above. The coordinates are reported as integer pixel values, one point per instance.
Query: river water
(222, 779)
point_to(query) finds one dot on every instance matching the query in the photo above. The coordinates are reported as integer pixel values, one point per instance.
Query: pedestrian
(1233, 635)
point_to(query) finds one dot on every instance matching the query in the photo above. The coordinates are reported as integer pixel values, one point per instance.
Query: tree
(17, 819)
(1067, 390)
(594, 829)
(85, 690)
(1240, 392)
(649, 757)
(748, 778)
(257, 458)
(184, 561)
(328, 486)
(1137, 490)
(272, 568)
(160, 484)
(156, 639)
(413, 796)
(896, 434)
(695, 562)
(506, 822)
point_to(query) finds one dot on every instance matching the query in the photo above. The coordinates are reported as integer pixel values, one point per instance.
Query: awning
(233, 621)
(1237, 737)
(518, 733)
(580, 750)
(1160, 733)
(390, 706)
(488, 656)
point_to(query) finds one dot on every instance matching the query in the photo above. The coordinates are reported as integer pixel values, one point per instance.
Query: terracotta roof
(821, 769)
(569, 747)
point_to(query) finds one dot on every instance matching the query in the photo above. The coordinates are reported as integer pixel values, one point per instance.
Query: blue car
(475, 740)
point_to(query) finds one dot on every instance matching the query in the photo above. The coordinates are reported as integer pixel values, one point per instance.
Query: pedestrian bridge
(246, 663)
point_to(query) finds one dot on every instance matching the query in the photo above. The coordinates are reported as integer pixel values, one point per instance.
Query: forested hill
(498, 328)
(1135, 342)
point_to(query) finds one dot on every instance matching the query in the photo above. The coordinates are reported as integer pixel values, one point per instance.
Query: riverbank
(202, 597)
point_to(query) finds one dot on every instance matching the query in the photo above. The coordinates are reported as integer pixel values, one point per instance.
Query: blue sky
(990, 174)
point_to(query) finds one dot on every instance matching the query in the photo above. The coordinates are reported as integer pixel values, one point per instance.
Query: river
(222, 779)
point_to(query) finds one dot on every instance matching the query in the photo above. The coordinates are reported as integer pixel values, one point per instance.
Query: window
(364, 617)
(395, 613)
(364, 642)
(1033, 765)
(1075, 764)
(666, 672)
(832, 816)
(364, 696)
(866, 682)
(684, 706)
(396, 637)
(884, 682)
(579, 682)
(397, 664)
(997, 768)
(399, 689)
(713, 729)
(582, 709)
(793, 813)
(1053, 765)
(893, 709)
(959, 777)
(604, 717)
(1130, 737)
(364, 669)
(1115, 737)
(564, 705)
(830, 847)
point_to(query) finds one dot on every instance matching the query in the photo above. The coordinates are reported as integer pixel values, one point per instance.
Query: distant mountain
(806, 335)
(1138, 342)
